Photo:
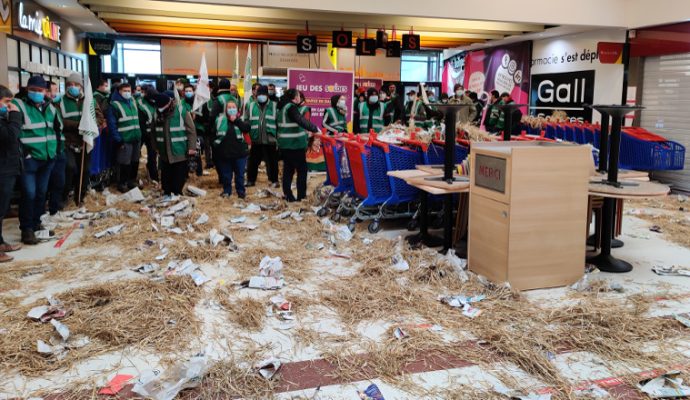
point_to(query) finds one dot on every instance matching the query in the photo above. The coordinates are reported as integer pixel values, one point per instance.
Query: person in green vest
(252, 98)
(371, 114)
(414, 110)
(223, 96)
(175, 141)
(516, 115)
(235, 92)
(231, 149)
(293, 135)
(188, 103)
(10, 162)
(70, 109)
(143, 96)
(335, 117)
(262, 116)
(102, 94)
(123, 124)
(39, 137)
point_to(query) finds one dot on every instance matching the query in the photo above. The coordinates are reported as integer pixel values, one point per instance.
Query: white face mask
(459, 93)
(341, 104)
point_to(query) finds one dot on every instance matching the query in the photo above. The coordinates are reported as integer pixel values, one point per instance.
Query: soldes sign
(567, 91)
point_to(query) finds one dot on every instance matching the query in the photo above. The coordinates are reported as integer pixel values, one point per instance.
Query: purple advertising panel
(369, 83)
(318, 86)
(505, 69)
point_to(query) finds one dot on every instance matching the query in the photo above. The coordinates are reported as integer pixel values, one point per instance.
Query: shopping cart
(338, 178)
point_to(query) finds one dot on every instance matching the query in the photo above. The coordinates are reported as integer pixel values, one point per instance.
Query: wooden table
(418, 178)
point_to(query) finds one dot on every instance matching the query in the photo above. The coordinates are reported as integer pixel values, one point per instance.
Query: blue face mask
(36, 97)
(262, 98)
(74, 91)
(3, 111)
(126, 95)
(189, 95)
(57, 98)
(373, 99)
(232, 112)
(432, 99)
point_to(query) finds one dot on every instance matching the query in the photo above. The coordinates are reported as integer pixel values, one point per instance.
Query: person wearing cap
(39, 137)
(371, 114)
(466, 114)
(262, 116)
(231, 149)
(123, 124)
(175, 141)
(143, 96)
(10, 161)
(516, 115)
(293, 139)
(492, 112)
(335, 117)
(70, 110)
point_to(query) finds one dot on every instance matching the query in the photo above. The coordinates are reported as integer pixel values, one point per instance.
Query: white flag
(203, 92)
(236, 71)
(248, 76)
(88, 127)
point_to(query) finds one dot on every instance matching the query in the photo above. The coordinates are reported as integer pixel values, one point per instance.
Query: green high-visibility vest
(178, 134)
(222, 129)
(418, 110)
(333, 119)
(69, 109)
(38, 135)
(376, 120)
(290, 135)
(148, 109)
(127, 120)
(225, 97)
(254, 118)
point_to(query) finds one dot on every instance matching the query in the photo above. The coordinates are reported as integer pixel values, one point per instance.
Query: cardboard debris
(61, 329)
(177, 231)
(671, 271)
(372, 392)
(132, 215)
(133, 196)
(177, 208)
(116, 384)
(251, 208)
(195, 191)
(683, 319)
(465, 302)
(271, 267)
(268, 367)
(283, 215)
(238, 220)
(167, 386)
(216, 238)
(113, 230)
(199, 278)
(167, 221)
(668, 385)
(203, 218)
(37, 312)
(264, 282)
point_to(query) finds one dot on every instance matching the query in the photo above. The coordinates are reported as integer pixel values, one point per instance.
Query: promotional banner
(570, 71)
(318, 86)
(453, 73)
(505, 69)
(369, 83)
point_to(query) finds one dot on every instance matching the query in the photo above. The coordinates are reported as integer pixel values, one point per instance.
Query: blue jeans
(34, 182)
(227, 167)
(56, 184)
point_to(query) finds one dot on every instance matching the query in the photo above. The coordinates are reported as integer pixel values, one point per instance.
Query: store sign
(37, 68)
(369, 83)
(381, 39)
(306, 44)
(490, 173)
(101, 47)
(5, 16)
(411, 42)
(366, 47)
(342, 39)
(393, 49)
(610, 53)
(38, 23)
(319, 86)
(567, 91)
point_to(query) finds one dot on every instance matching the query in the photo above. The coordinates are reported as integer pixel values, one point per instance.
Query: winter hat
(36, 81)
(161, 100)
(75, 78)
(262, 90)
(224, 84)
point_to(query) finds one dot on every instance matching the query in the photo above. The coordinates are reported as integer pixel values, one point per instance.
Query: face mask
(232, 112)
(341, 104)
(432, 99)
(137, 94)
(373, 99)
(106, 90)
(262, 98)
(189, 95)
(3, 110)
(36, 97)
(57, 98)
(73, 91)
(459, 93)
(411, 98)
(271, 92)
(126, 95)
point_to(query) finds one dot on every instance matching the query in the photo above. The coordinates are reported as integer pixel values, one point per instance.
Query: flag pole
(81, 175)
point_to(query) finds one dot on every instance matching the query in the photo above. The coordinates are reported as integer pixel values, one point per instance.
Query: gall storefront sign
(567, 91)
(38, 23)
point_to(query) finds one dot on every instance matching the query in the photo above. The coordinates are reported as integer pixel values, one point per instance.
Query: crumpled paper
(167, 386)
(668, 385)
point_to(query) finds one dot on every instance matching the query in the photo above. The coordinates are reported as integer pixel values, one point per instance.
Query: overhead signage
(306, 44)
(566, 91)
(393, 49)
(342, 39)
(381, 39)
(5, 16)
(319, 86)
(38, 68)
(366, 47)
(39, 23)
(610, 52)
(490, 173)
(101, 47)
(411, 42)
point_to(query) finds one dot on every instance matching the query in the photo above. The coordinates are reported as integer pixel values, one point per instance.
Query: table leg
(605, 261)
(448, 219)
(423, 235)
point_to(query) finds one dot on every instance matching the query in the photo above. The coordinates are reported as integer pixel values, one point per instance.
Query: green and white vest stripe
(254, 117)
(290, 135)
(334, 120)
(127, 120)
(178, 134)
(376, 120)
(222, 129)
(37, 132)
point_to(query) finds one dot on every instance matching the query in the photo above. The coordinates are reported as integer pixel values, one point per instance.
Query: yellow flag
(333, 55)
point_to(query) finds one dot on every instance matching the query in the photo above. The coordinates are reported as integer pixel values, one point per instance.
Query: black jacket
(230, 147)
(10, 146)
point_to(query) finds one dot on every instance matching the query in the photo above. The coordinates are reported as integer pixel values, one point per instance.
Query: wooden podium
(528, 212)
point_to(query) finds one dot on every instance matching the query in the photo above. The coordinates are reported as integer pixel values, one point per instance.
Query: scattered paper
(203, 218)
(668, 385)
(116, 384)
(671, 270)
(238, 220)
(372, 392)
(271, 267)
(268, 367)
(199, 277)
(167, 221)
(251, 208)
(177, 208)
(334, 253)
(166, 386)
(132, 215)
(61, 329)
(399, 333)
(397, 261)
(465, 302)
(113, 230)
(133, 196)
(282, 215)
(37, 312)
(683, 319)
(656, 229)
(146, 268)
(265, 283)
(195, 191)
